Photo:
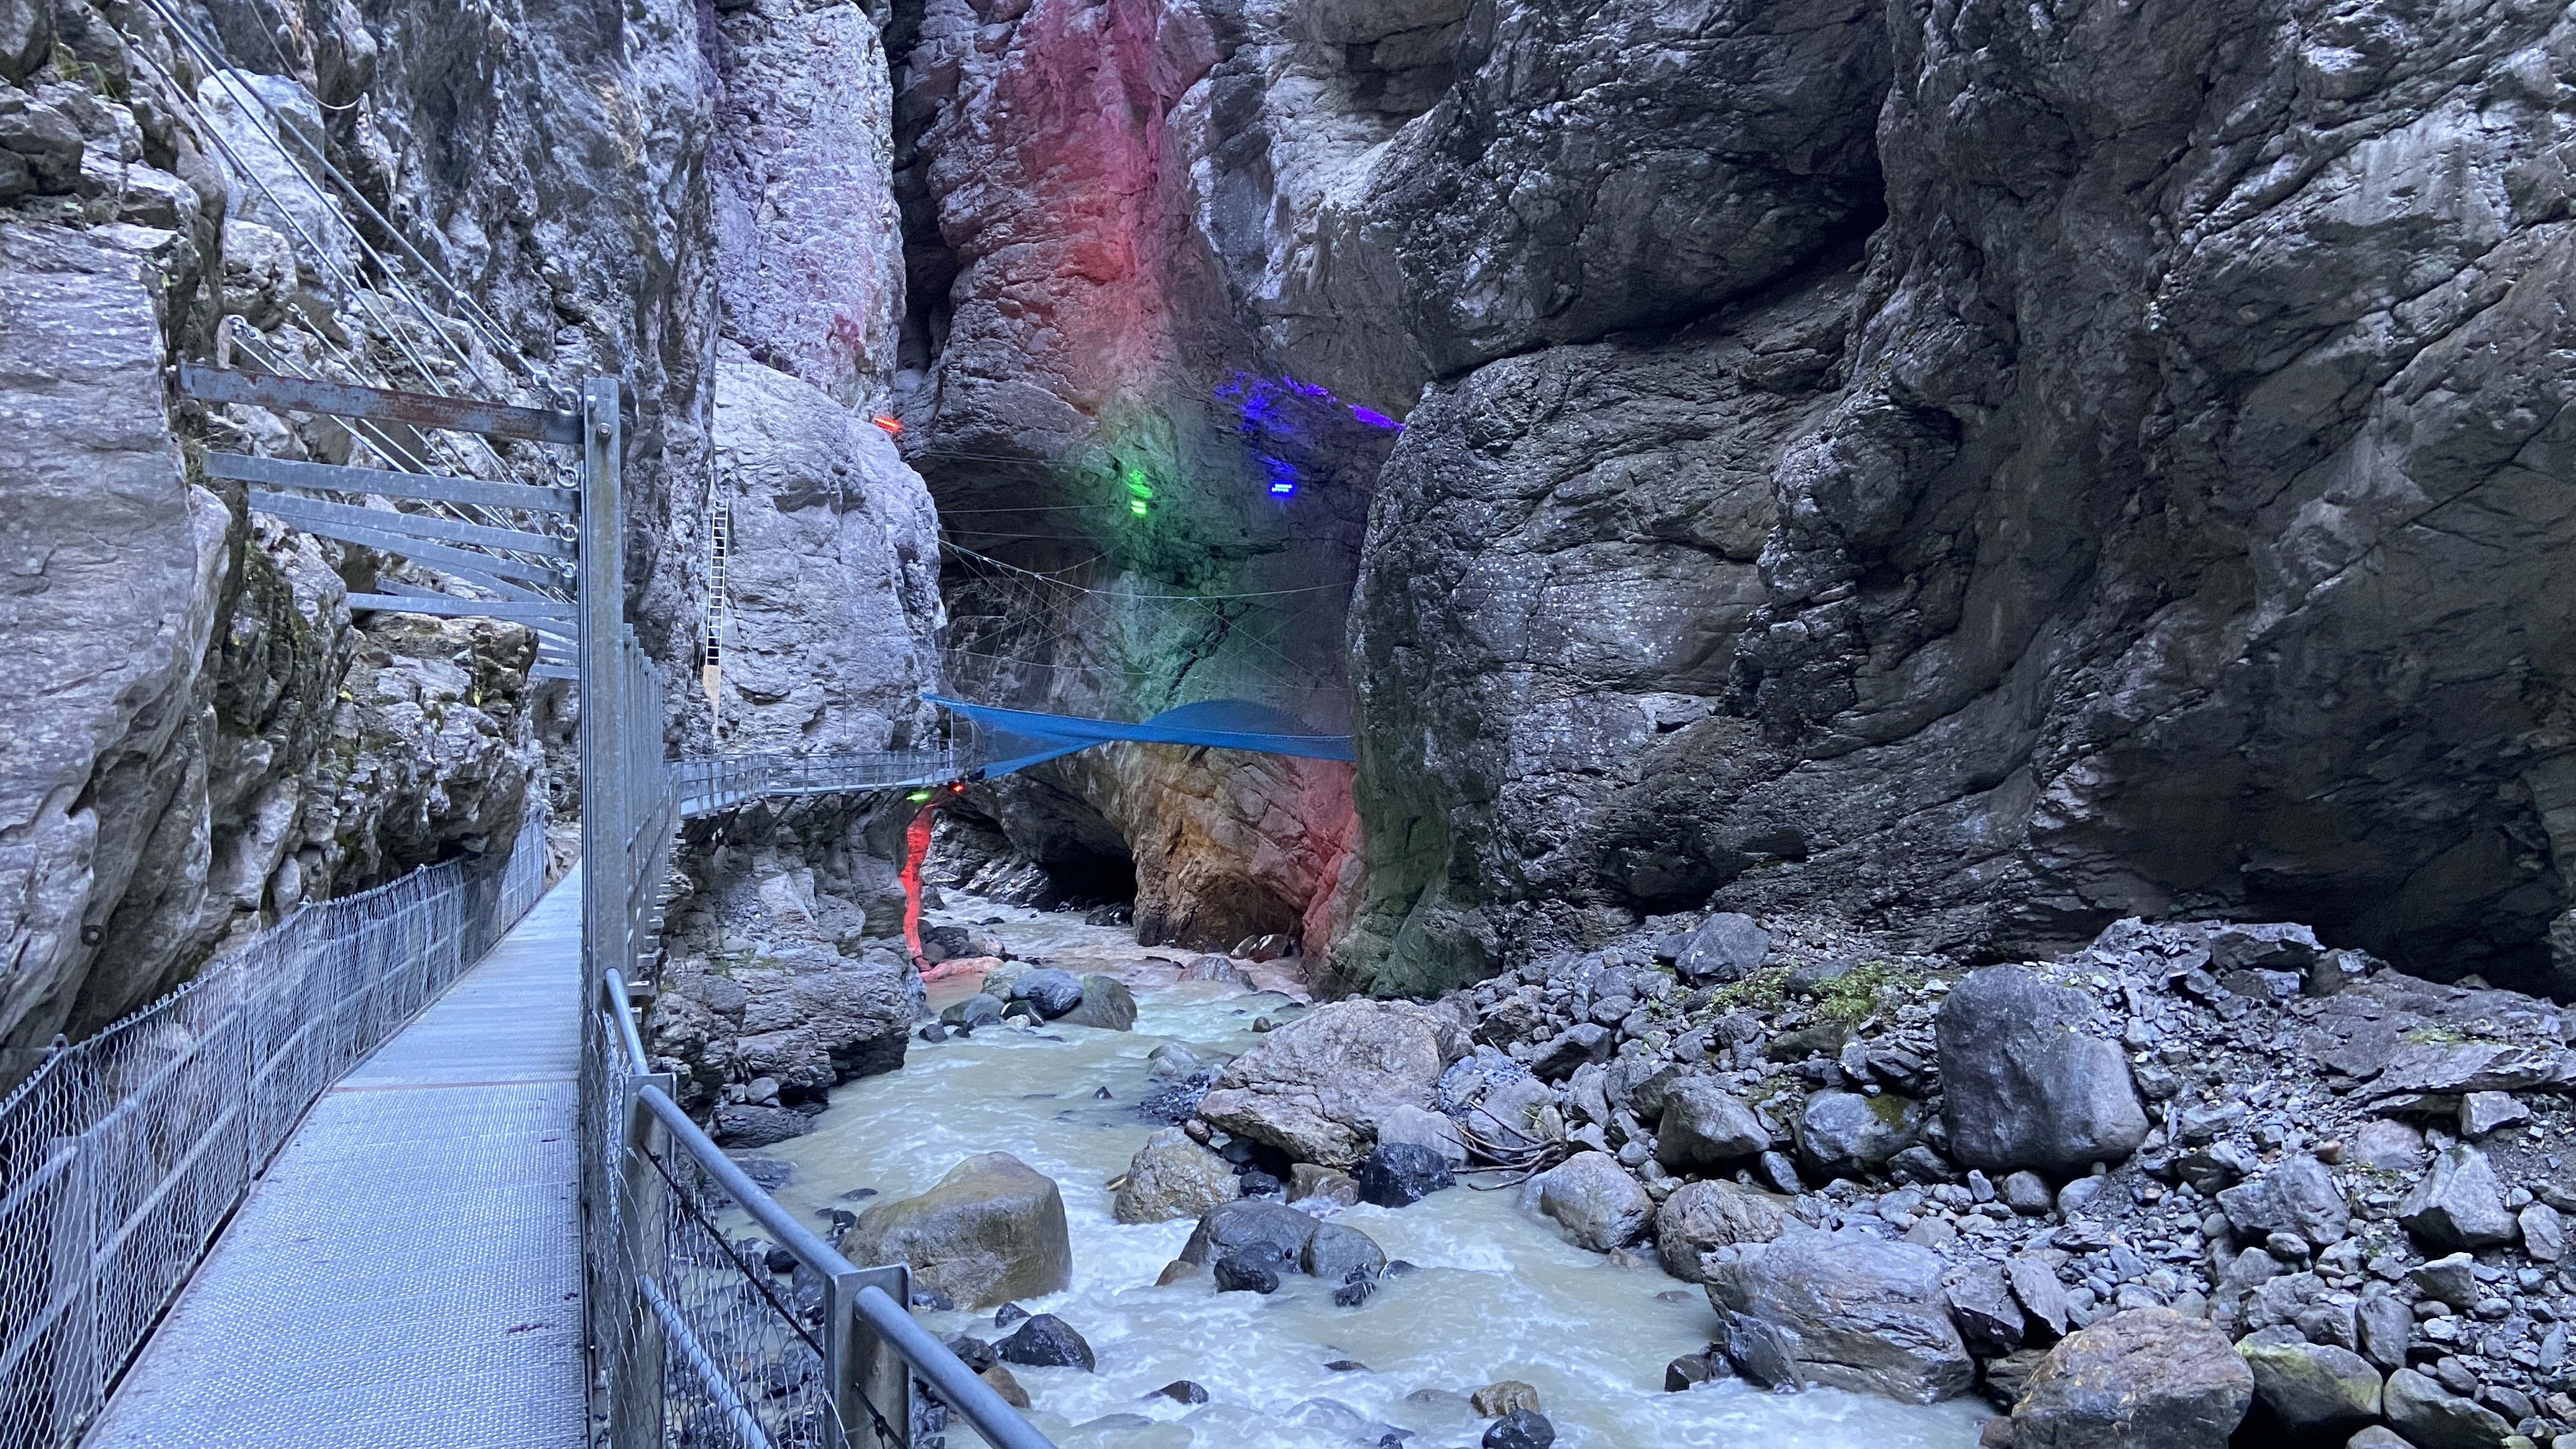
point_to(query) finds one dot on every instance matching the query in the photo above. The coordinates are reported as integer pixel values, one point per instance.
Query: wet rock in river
(1594, 1199)
(1520, 1429)
(1173, 1177)
(1002, 1383)
(1052, 990)
(1335, 1253)
(747, 1126)
(1277, 1230)
(990, 1231)
(1181, 1391)
(1317, 1087)
(1501, 1397)
(2144, 1379)
(1246, 1270)
(1400, 1174)
(1423, 1128)
(1046, 1341)
(1306, 1180)
(1106, 1003)
(1847, 1311)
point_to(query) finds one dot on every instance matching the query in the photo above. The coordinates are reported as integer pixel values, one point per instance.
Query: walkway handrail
(124, 1153)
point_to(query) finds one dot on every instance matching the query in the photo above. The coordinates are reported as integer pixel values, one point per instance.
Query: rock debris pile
(2209, 1174)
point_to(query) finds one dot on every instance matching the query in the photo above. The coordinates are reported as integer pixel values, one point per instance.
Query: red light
(891, 425)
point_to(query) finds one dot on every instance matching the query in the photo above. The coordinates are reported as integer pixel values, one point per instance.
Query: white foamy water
(1501, 1294)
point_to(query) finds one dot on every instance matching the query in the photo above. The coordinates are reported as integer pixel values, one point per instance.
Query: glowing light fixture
(918, 796)
(891, 425)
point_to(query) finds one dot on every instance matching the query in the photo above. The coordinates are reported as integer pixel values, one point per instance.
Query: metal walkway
(408, 1272)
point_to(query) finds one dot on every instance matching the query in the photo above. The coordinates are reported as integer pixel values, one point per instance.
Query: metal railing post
(603, 610)
(871, 1382)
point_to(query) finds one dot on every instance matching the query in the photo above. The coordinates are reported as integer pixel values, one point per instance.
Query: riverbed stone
(1850, 1312)
(1306, 1180)
(1336, 1252)
(1046, 1341)
(1277, 1230)
(748, 1126)
(1106, 1003)
(1594, 1199)
(1317, 1087)
(2544, 1232)
(990, 1231)
(1400, 1174)
(1983, 1306)
(1246, 1270)
(1845, 1134)
(1052, 990)
(1002, 1383)
(2147, 1378)
(1702, 1219)
(2311, 1388)
(2457, 1205)
(1519, 1429)
(2432, 1417)
(1173, 1177)
(1704, 1125)
(2027, 1082)
(1502, 1396)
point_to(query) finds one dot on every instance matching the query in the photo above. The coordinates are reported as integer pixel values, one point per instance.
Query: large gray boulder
(991, 1231)
(1173, 1177)
(1846, 1311)
(1317, 1087)
(1727, 946)
(2457, 1205)
(1845, 1133)
(1271, 1231)
(1704, 1125)
(1106, 1003)
(1702, 1218)
(2311, 1388)
(2026, 1080)
(2145, 1379)
(1594, 1199)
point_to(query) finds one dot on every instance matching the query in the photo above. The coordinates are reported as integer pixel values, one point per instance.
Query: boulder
(1983, 1306)
(2313, 1389)
(2482, 1113)
(2432, 1418)
(2026, 1082)
(1246, 1271)
(1701, 1218)
(1106, 1003)
(1704, 1125)
(1502, 1396)
(745, 1126)
(1400, 1174)
(1336, 1254)
(1317, 1087)
(2042, 1297)
(1423, 1128)
(1171, 1060)
(1845, 1134)
(1594, 1199)
(2452, 1279)
(2148, 1378)
(1051, 990)
(1519, 1429)
(2388, 1146)
(1725, 947)
(1173, 1177)
(2298, 1196)
(1045, 1341)
(990, 1231)
(1277, 1230)
(1002, 1383)
(2544, 1232)
(2457, 1205)
(1847, 1311)
(1306, 1180)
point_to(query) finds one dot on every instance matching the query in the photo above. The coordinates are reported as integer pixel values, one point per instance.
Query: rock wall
(2170, 529)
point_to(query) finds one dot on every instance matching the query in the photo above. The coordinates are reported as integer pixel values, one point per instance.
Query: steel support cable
(219, 64)
(363, 296)
(745, 1423)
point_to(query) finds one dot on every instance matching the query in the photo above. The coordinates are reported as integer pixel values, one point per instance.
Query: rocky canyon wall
(2154, 512)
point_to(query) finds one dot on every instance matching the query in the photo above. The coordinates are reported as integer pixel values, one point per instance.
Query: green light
(1137, 484)
(1138, 507)
(918, 796)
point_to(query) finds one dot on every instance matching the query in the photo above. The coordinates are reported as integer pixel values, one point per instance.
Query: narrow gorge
(1649, 724)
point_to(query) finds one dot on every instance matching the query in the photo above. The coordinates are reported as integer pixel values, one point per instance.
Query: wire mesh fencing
(123, 1154)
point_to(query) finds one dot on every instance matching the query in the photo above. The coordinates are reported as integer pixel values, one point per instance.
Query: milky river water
(1500, 1294)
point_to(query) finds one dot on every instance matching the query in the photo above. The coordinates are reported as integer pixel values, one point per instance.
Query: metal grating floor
(408, 1272)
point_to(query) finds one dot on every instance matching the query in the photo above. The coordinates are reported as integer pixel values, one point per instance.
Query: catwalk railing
(123, 1154)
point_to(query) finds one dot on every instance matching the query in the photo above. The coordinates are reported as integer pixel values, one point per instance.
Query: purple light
(1374, 418)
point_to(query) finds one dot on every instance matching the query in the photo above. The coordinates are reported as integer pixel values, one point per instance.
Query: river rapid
(1500, 1295)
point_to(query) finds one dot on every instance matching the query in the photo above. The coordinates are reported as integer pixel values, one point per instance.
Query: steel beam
(312, 395)
(387, 483)
(296, 507)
